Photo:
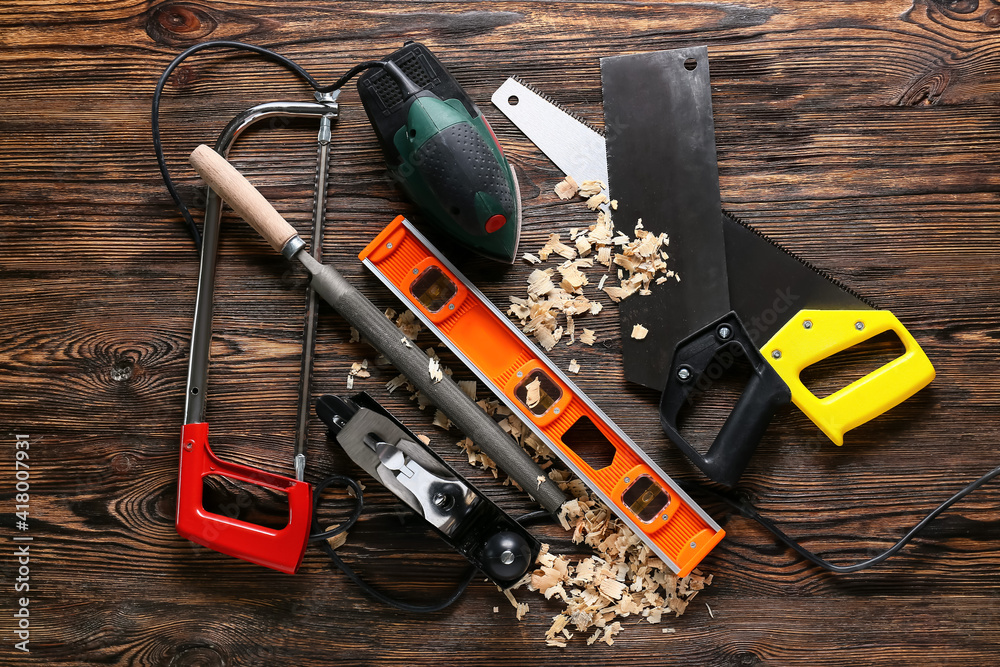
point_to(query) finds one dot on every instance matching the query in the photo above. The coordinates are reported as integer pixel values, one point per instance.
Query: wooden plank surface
(863, 135)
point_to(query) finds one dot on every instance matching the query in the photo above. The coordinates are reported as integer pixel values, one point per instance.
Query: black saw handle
(700, 360)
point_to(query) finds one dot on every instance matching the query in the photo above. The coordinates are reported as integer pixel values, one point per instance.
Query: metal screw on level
(416, 271)
(520, 374)
(725, 332)
(627, 480)
(683, 374)
(389, 246)
(664, 517)
(440, 499)
(556, 411)
(808, 324)
(776, 354)
(507, 557)
(859, 325)
(451, 306)
(694, 544)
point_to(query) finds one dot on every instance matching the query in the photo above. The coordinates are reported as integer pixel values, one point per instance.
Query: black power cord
(288, 63)
(747, 510)
(321, 537)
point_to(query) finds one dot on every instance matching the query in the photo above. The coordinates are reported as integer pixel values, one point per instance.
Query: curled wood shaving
(591, 188)
(337, 540)
(434, 368)
(558, 247)
(534, 389)
(596, 200)
(566, 188)
(441, 420)
(409, 324)
(468, 387)
(397, 382)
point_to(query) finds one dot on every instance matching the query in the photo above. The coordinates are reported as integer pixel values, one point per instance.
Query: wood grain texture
(862, 135)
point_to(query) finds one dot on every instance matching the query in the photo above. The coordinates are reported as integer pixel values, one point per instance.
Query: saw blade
(662, 169)
(759, 269)
(576, 148)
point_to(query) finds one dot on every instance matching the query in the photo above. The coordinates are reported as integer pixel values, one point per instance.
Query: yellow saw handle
(814, 335)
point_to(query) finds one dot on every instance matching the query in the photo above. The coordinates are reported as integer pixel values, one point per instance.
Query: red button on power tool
(495, 223)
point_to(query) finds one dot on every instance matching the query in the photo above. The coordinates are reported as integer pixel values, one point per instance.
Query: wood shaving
(358, 369)
(355, 336)
(424, 439)
(591, 188)
(434, 368)
(441, 420)
(534, 395)
(337, 540)
(574, 367)
(531, 259)
(596, 200)
(566, 188)
(588, 337)
(554, 245)
(409, 325)
(397, 382)
(639, 332)
(468, 388)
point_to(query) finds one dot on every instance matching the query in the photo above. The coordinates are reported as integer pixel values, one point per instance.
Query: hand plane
(465, 518)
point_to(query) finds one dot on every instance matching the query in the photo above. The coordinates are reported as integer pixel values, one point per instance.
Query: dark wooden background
(864, 135)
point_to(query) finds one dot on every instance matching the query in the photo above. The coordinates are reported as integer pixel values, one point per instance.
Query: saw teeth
(805, 263)
(559, 106)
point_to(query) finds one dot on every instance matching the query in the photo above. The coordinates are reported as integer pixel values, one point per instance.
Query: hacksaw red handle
(279, 549)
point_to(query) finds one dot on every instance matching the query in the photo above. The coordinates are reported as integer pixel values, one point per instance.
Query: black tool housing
(484, 535)
(384, 101)
(700, 360)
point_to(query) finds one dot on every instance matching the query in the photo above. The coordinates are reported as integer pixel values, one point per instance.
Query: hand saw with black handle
(740, 293)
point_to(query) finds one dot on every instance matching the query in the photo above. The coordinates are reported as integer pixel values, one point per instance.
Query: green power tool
(442, 152)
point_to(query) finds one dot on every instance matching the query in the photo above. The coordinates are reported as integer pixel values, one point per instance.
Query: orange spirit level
(568, 422)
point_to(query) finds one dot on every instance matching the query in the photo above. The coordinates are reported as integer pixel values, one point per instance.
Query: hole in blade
(433, 289)
(512, 100)
(713, 397)
(245, 502)
(832, 374)
(587, 442)
(690, 64)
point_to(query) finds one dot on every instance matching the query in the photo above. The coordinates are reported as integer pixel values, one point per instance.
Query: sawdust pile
(622, 580)
(555, 295)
